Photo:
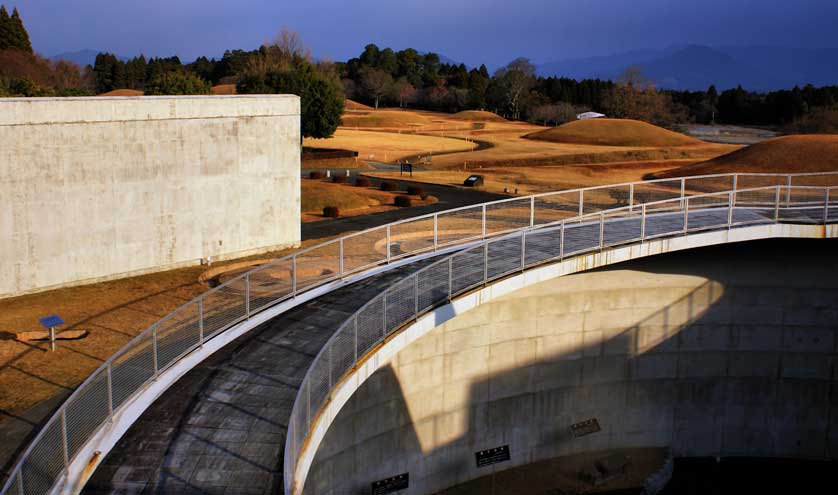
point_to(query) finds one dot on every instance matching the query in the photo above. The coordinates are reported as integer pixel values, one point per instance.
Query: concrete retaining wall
(719, 351)
(96, 188)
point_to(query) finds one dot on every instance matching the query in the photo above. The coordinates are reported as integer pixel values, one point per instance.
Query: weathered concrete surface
(221, 428)
(96, 188)
(717, 351)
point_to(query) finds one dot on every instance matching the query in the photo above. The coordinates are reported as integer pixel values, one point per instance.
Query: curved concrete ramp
(719, 351)
(221, 428)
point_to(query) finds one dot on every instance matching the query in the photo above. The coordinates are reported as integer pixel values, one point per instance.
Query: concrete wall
(94, 188)
(718, 351)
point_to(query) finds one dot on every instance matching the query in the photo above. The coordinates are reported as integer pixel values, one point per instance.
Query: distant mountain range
(696, 67)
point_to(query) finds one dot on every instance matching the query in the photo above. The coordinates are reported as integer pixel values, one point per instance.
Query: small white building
(590, 115)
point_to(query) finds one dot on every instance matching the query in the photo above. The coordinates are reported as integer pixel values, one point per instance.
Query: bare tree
(376, 83)
(515, 82)
(635, 97)
(403, 92)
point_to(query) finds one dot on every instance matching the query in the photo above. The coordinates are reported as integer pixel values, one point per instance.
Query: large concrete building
(98, 188)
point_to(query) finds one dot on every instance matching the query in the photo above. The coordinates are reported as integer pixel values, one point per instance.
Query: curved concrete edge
(341, 394)
(100, 444)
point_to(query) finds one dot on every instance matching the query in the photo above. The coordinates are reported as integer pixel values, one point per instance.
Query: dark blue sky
(472, 31)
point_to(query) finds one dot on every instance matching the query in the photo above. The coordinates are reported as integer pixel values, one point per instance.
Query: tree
(403, 92)
(105, 72)
(6, 38)
(179, 82)
(634, 97)
(555, 113)
(20, 34)
(376, 83)
(514, 83)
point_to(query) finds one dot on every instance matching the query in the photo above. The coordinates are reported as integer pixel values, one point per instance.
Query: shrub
(314, 174)
(415, 190)
(363, 182)
(331, 212)
(340, 179)
(403, 201)
(388, 185)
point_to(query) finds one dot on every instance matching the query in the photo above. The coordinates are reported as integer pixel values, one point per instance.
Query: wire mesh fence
(544, 227)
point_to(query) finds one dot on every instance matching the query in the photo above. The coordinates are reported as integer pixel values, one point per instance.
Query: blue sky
(472, 31)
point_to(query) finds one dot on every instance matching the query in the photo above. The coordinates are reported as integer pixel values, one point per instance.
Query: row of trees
(13, 34)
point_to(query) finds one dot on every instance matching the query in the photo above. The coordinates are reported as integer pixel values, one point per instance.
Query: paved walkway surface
(221, 428)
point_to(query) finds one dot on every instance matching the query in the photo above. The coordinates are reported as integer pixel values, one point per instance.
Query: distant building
(590, 115)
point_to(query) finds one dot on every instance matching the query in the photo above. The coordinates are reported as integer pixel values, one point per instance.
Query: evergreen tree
(21, 36)
(6, 40)
(177, 82)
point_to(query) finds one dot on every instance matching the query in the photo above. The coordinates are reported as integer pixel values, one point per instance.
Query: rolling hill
(613, 132)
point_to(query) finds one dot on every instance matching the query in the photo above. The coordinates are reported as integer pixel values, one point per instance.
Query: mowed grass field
(388, 147)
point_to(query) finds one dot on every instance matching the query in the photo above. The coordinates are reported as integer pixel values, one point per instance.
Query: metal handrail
(295, 442)
(237, 306)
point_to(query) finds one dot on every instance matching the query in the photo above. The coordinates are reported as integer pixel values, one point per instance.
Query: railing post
(64, 442)
(581, 202)
(730, 200)
(643, 222)
(294, 276)
(20, 482)
(601, 230)
(416, 294)
(532, 211)
(523, 249)
(110, 392)
(154, 348)
(330, 366)
(388, 243)
(247, 295)
(355, 326)
(683, 190)
(826, 206)
(483, 223)
(735, 181)
(340, 257)
(561, 242)
(777, 204)
(686, 214)
(450, 278)
(485, 262)
(436, 231)
(631, 197)
(384, 316)
(788, 190)
(201, 321)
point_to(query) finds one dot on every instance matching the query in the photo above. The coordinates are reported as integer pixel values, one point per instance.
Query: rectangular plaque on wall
(391, 485)
(586, 427)
(492, 456)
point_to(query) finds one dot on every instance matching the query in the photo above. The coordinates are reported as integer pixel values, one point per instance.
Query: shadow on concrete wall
(741, 365)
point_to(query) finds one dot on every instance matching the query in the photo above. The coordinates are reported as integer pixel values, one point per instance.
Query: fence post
(561, 242)
(643, 222)
(340, 257)
(436, 231)
(581, 202)
(247, 295)
(777, 205)
(294, 276)
(110, 393)
(483, 223)
(686, 213)
(788, 190)
(730, 200)
(201, 321)
(450, 278)
(64, 442)
(532, 211)
(388, 244)
(523, 249)
(154, 348)
(601, 230)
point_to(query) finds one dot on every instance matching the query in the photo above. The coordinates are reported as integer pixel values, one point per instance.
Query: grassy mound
(123, 92)
(354, 105)
(798, 153)
(385, 118)
(318, 195)
(613, 132)
(224, 89)
(478, 116)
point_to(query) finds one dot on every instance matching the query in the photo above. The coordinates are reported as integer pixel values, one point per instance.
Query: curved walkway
(221, 428)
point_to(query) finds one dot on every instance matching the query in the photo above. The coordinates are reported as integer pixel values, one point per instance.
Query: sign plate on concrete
(492, 456)
(586, 427)
(51, 321)
(391, 485)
